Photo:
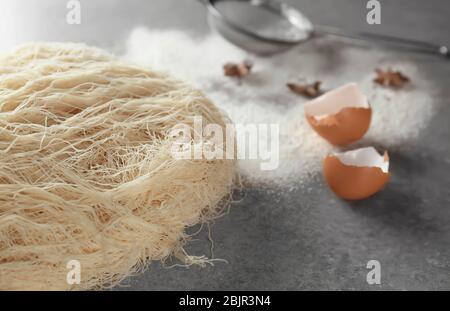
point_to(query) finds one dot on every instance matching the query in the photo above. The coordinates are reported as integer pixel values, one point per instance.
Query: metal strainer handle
(402, 43)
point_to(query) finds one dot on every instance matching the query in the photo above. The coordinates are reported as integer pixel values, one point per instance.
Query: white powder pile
(262, 97)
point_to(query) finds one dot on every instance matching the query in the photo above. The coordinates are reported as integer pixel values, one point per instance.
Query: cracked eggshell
(341, 116)
(356, 174)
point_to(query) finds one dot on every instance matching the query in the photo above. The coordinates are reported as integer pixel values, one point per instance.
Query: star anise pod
(237, 70)
(390, 78)
(308, 90)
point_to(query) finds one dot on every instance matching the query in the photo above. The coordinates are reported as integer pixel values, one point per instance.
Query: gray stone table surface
(306, 239)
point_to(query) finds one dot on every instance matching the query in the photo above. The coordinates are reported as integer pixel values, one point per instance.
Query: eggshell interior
(341, 116)
(365, 157)
(356, 174)
(332, 102)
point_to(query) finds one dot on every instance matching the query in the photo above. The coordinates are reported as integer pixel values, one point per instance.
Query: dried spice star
(238, 70)
(308, 90)
(390, 78)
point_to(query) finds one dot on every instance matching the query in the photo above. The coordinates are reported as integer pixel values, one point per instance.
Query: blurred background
(107, 23)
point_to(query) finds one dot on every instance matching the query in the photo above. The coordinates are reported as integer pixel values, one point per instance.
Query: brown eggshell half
(345, 127)
(353, 182)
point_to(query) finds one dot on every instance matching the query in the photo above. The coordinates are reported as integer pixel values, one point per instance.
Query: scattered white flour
(262, 97)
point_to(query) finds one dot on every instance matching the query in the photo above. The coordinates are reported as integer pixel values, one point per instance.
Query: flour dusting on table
(262, 97)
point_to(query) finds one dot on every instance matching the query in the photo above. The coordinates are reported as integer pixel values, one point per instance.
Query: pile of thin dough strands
(86, 171)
